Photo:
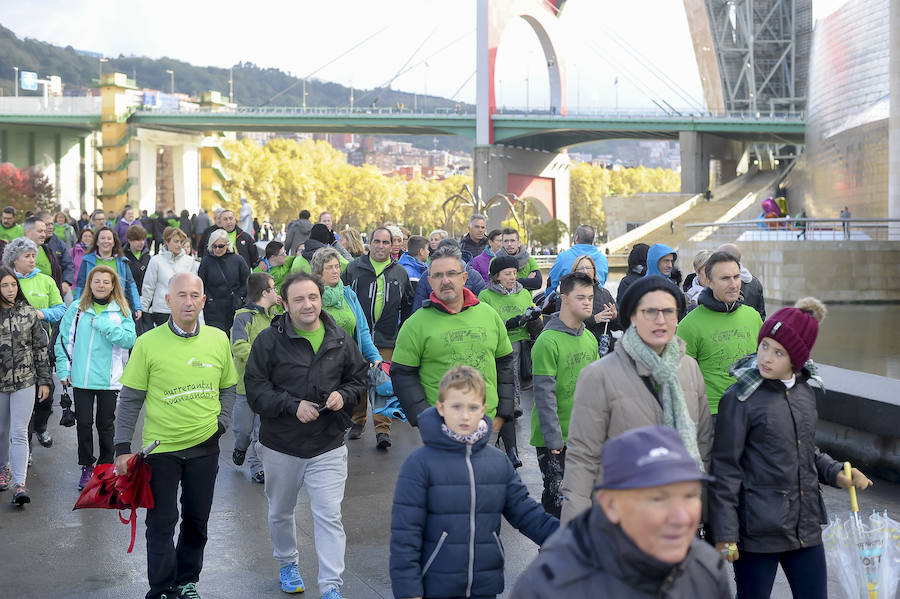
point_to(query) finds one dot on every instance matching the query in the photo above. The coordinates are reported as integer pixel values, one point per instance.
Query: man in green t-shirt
(183, 375)
(9, 230)
(562, 349)
(450, 329)
(721, 329)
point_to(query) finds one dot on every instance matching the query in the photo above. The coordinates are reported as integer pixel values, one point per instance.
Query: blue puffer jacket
(445, 522)
(89, 261)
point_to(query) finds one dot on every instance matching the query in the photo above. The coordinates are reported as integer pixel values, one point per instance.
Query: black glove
(515, 322)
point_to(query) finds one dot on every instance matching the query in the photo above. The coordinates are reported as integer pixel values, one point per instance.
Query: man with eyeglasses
(452, 328)
(255, 317)
(385, 294)
(721, 329)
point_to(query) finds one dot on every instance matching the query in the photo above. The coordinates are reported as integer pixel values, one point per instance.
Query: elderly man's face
(38, 232)
(8, 219)
(447, 277)
(662, 521)
(98, 220)
(185, 298)
(477, 228)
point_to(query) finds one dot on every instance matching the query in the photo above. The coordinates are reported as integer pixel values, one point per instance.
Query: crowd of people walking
(665, 421)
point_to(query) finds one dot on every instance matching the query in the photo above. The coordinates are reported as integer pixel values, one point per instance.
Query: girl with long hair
(23, 365)
(91, 351)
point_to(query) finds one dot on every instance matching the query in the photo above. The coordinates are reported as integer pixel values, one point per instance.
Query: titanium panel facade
(846, 158)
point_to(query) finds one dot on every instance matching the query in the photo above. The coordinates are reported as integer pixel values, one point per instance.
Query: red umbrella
(107, 490)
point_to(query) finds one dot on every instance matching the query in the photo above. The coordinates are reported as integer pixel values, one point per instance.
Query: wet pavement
(50, 551)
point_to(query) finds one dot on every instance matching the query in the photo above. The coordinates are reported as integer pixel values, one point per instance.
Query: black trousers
(42, 411)
(170, 565)
(106, 421)
(159, 318)
(552, 469)
(805, 570)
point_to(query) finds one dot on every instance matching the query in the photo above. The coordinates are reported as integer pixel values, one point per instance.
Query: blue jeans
(754, 573)
(246, 432)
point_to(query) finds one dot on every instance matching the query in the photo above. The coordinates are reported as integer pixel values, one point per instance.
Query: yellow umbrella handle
(854, 506)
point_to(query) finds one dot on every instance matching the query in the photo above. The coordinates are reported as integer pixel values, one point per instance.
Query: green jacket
(249, 322)
(278, 273)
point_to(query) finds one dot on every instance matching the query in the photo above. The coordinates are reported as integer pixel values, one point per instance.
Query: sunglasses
(219, 246)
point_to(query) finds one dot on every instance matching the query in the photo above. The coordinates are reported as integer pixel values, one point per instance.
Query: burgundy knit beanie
(795, 328)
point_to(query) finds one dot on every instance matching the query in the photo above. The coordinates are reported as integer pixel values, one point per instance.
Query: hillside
(253, 85)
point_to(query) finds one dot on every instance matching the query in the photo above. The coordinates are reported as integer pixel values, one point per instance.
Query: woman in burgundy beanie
(765, 506)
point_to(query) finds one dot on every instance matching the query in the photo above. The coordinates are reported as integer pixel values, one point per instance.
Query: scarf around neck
(470, 439)
(498, 288)
(746, 372)
(333, 297)
(664, 370)
(522, 256)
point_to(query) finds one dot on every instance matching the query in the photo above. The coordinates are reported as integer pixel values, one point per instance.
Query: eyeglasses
(219, 246)
(270, 289)
(651, 314)
(587, 269)
(437, 276)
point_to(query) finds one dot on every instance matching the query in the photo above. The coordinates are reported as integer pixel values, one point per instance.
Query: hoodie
(445, 520)
(558, 355)
(654, 254)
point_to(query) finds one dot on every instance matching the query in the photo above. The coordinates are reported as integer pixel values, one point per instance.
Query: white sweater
(161, 269)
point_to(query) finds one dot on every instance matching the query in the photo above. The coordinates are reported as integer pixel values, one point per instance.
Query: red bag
(107, 490)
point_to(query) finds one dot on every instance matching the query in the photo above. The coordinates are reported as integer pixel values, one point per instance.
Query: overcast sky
(431, 43)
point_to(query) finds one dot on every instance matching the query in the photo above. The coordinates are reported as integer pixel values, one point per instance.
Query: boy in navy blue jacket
(445, 522)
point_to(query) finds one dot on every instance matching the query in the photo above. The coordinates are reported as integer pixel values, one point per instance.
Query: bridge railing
(57, 104)
(323, 110)
(799, 229)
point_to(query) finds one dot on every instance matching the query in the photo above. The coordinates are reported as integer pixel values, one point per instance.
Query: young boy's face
(461, 410)
(773, 360)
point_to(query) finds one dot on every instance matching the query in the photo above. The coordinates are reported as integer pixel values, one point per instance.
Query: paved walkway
(51, 551)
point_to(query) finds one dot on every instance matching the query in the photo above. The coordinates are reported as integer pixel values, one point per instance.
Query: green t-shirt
(40, 291)
(299, 263)
(60, 231)
(315, 337)
(232, 237)
(111, 263)
(14, 232)
(717, 340)
(435, 341)
(561, 355)
(379, 287)
(509, 306)
(43, 262)
(182, 377)
(344, 317)
(98, 308)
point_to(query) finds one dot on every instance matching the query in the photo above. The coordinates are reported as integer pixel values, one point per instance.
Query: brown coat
(610, 399)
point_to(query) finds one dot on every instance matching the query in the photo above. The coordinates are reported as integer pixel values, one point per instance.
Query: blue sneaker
(291, 581)
(332, 593)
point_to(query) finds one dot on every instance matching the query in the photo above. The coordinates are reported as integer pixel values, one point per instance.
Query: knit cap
(502, 263)
(796, 328)
(320, 233)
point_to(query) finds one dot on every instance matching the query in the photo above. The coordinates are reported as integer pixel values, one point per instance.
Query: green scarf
(333, 297)
(664, 370)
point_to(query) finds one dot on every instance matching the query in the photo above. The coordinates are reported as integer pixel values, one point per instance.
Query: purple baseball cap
(650, 456)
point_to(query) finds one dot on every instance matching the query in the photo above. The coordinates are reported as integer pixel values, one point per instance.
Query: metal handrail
(790, 220)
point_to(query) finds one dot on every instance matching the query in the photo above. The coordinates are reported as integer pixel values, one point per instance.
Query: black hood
(637, 259)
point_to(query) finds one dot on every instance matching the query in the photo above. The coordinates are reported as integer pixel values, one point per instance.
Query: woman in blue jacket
(91, 351)
(341, 302)
(107, 251)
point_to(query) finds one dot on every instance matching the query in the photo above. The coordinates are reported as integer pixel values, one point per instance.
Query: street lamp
(172, 75)
(100, 78)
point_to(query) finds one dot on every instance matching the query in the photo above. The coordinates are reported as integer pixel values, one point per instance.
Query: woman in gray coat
(646, 380)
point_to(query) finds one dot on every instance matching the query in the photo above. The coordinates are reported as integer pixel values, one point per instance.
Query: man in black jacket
(639, 539)
(386, 297)
(476, 239)
(304, 376)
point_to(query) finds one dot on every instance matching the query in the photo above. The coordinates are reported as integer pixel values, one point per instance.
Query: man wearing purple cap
(639, 538)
